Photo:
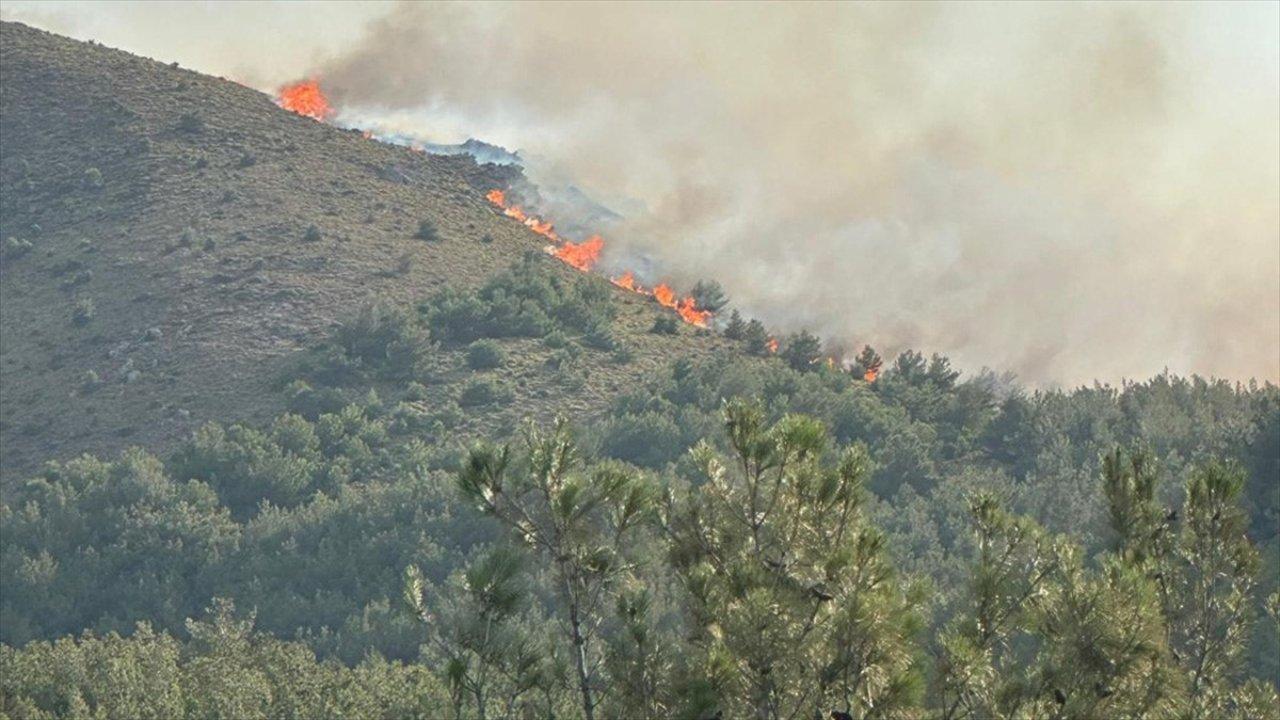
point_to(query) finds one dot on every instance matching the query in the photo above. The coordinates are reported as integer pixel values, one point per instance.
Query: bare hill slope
(163, 265)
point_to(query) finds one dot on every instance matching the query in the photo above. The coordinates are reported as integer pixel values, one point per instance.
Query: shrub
(311, 403)
(483, 391)
(248, 159)
(529, 300)
(386, 338)
(555, 340)
(623, 354)
(416, 391)
(600, 337)
(566, 357)
(648, 439)
(312, 234)
(448, 415)
(191, 123)
(484, 355)
(93, 178)
(665, 325)
(188, 237)
(15, 248)
(81, 277)
(83, 312)
(427, 231)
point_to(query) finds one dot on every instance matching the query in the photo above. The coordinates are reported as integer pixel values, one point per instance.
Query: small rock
(132, 376)
(154, 333)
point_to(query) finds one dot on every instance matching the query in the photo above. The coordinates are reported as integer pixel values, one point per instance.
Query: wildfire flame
(534, 223)
(871, 374)
(581, 255)
(305, 98)
(627, 281)
(586, 254)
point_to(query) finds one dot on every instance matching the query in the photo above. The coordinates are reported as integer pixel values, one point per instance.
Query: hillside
(179, 206)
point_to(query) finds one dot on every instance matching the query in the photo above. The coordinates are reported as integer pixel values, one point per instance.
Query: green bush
(555, 340)
(191, 123)
(93, 178)
(649, 439)
(623, 354)
(600, 337)
(531, 299)
(15, 248)
(485, 355)
(83, 312)
(384, 338)
(415, 392)
(483, 391)
(427, 231)
(665, 325)
(312, 234)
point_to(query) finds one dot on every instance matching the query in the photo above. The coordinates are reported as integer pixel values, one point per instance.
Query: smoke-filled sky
(1068, 191)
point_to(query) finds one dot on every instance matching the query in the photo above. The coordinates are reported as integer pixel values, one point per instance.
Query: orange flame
(536, 224)
(627, 281)
(581, 255)
(689, 312)
(586, 254)
(305, 98)
(772, 344)
(871, 374)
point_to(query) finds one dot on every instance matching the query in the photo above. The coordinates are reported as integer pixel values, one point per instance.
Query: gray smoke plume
(1068, 191)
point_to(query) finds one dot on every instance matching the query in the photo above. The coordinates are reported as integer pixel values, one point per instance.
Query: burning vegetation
(586, 254)
(305, 98)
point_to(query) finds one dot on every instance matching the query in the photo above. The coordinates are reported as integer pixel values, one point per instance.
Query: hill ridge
(211, 236)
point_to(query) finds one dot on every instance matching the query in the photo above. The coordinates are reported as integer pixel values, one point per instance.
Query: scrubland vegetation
(740, 536)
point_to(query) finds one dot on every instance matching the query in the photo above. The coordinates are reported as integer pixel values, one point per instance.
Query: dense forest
(758, 533)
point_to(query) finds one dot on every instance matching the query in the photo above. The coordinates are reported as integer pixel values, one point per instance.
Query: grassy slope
(249, 293)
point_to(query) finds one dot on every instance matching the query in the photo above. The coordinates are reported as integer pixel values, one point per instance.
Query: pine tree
(580, 525)
(490, 661)
(803, 351)
(736, 329)
(756, 338)
(795, 607)
(709, 295)
(868, 364)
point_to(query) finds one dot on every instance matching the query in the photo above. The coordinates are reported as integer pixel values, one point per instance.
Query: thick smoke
(1068, 191)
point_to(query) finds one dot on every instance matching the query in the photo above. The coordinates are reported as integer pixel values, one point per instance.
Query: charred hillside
(174, 242)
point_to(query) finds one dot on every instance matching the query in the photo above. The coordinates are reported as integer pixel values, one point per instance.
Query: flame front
(534, 223)
(627, 281)
(586, 254)
(305, 98)
(581, 255)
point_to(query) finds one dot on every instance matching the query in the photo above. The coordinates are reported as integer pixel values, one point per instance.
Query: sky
(1067, 191)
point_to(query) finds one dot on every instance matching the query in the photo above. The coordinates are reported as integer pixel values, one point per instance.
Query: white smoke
(1068, 191)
